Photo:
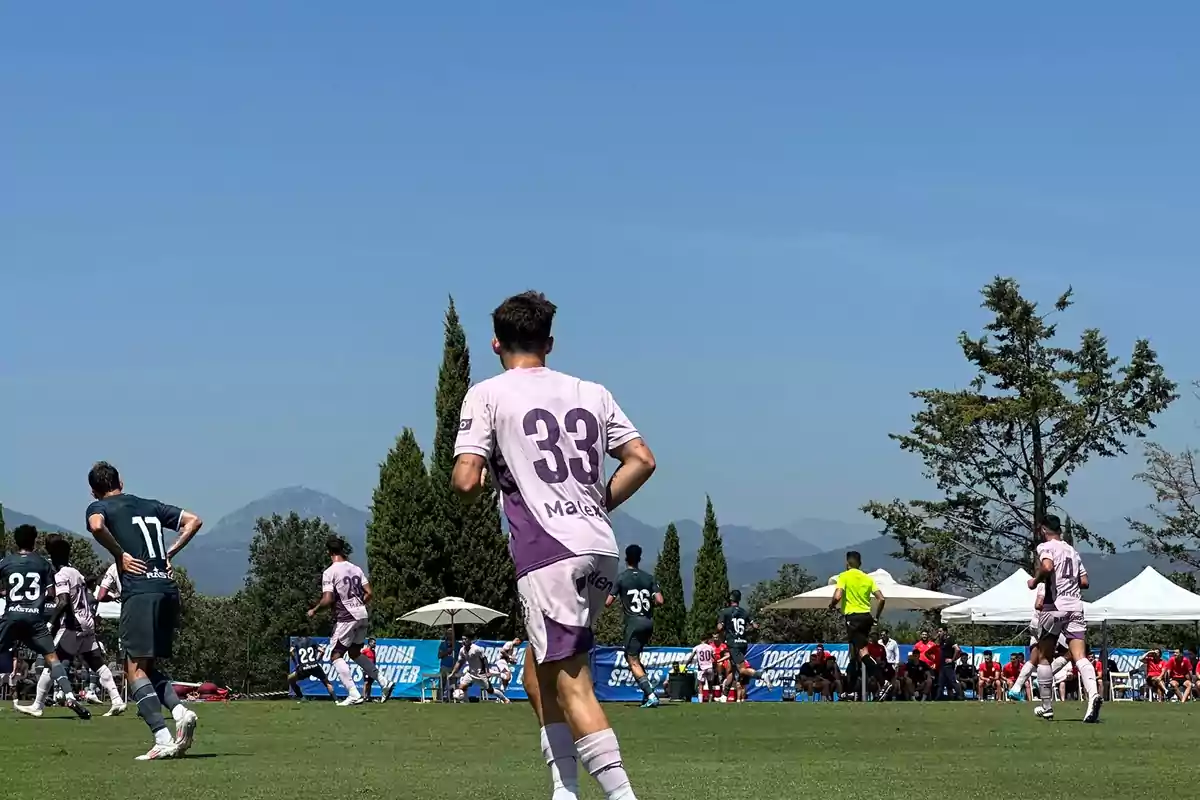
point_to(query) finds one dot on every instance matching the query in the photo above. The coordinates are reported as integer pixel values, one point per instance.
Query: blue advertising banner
(413, 664)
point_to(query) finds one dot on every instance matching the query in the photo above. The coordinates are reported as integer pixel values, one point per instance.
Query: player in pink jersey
(705, 655)
(75, 637)
(345, 587)
(544, 435)
(1060, 612)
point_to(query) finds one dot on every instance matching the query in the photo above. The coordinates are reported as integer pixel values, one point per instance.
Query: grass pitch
(292, 751)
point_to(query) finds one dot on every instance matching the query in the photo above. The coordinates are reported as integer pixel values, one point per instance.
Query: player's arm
(1044, 569)
(187, 525)
(100, 532)
(1083, 578)
(636, 467)
(658, 595)
(62, 599)
(472, 446)
(326, 596)
(368, 595)
(880, 602)
(836, 602)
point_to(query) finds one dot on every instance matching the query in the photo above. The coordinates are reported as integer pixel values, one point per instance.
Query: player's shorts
(349, 634)
(75, 643)
(707, 677)
(504, 671)
(638, 632)
(858, 629)
(561, 602)
(311, 673)
(1069, 625)
(33, 633)
(148, 623)
(737, 657)
(470, 679)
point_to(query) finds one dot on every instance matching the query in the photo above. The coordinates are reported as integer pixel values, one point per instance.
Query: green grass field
(288, 750)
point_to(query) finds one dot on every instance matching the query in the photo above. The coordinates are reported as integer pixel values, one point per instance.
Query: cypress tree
(710, 589)
(399, 549)
(670, 621)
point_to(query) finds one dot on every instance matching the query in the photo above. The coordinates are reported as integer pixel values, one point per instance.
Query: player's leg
(634, 642)
(40, 642)
(558, 743)
(368, 667)
(95, 662)
(1045, 670)
(165, 617)
(343, 637)
(293, 680)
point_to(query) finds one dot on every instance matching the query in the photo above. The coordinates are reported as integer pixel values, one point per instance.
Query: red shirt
(369, 653)
(877, 652)
(1096, 665)
(990, 669)
(1154, 667)
(1179, 667)
(722, 652)
(1011, 670)
(929, 653)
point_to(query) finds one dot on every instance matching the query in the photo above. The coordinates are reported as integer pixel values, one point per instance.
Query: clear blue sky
(228, 232)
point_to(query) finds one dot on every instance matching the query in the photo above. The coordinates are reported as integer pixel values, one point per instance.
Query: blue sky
(229, 231)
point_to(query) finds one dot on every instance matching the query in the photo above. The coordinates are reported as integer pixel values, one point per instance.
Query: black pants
(949, 681)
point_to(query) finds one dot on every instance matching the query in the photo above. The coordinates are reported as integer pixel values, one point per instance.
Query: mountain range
(217, 559)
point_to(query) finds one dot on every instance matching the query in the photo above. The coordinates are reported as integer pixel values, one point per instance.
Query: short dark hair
(854, 558)
(59, 549)
(633, 554)
(25, 537)
(735, 596)
(522, 323)
(1052, 522)
(987, 652)
(104, 478)
(335, 546)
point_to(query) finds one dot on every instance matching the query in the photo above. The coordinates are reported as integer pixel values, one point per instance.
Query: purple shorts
(1070, 625)
(561, 602)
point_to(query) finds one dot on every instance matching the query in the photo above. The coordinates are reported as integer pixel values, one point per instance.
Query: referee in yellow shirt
(853, 595)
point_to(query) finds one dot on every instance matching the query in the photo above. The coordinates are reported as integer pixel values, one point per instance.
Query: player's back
(636, 590)
(705, 655)
(70, 582)
(346, 581)
(25, 579)
(138, 524)
(546, 434)
(737, 622)
(1064, 592)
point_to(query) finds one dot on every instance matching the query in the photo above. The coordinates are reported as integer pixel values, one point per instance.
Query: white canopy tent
(1008, 602)
(1149, 597)
(898, 596)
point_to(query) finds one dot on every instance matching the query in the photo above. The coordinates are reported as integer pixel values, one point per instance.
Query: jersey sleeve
(109, 581)
(616, 587)
(95, 507)
(62, 584)
(841, 581)
(326, 581)
(475, 424)
(654, 586)
(168, 515)
(617, 427)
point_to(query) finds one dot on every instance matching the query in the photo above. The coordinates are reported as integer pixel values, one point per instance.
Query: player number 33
(584, 430)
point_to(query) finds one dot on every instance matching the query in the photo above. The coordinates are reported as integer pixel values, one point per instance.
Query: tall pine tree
(403, 561)
(670, 621)
(710, 588)
(476, 562)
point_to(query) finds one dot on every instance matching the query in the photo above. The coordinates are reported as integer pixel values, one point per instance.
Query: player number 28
(584, 430)
(145, 524)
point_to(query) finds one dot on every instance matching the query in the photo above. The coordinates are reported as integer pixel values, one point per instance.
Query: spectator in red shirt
(1012, 672)
(369, 652)
(1179, 670)
(1154, 675)
(990, 678)
(1099, 667)
(928, 651)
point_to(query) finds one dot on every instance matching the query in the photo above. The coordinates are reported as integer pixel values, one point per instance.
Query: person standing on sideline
(639, 593)
(948, 656)
(853, 595)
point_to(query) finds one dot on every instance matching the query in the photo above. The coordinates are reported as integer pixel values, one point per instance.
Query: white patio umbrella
(897, 595)
(451, 611)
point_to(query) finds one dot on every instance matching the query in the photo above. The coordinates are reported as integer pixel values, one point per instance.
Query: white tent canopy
(1008, 602)
(1149, 597)
(898, 596)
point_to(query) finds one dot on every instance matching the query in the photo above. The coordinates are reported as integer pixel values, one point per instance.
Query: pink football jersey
(69, 583)
(1065, 595)
(705, 655)
(347, 582)
(545, 435)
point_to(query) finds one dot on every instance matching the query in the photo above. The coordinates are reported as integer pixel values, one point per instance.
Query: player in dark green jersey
(734, 624)
(131, 528)
(27, 581)
(639, 593)
(307, 658)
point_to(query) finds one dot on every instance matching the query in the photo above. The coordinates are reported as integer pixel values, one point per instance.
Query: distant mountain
(217, 559)
(13, 519)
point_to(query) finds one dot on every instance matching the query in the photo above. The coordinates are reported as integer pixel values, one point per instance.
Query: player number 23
(27, 586)
(145, 524)
(584, 430)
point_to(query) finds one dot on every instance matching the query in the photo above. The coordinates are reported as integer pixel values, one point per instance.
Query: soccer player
(734, 624)
(472, 660)
(506, 662)
(307, 658)
(545, 435)
(27, 580)
(853, 595)
(639, 593)
(131, 528)
(705, 655)
(1060, 570)
(76, 629)
(110, 585)
(345, 587)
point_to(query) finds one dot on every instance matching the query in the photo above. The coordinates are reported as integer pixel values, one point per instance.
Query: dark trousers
(949, 681)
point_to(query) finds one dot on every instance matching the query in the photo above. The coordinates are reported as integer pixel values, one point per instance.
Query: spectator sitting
(1011, 673)
(1100, 671)
(990, 679)
(916, 678)
(968, 676)
(810, 679)
(1179, 671)
(831, 671)
(1155, 686)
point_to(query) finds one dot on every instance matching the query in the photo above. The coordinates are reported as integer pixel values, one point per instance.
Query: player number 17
(145, 524)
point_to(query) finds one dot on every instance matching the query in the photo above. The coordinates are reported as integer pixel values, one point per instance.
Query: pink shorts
(1067, 624)
(561, 602)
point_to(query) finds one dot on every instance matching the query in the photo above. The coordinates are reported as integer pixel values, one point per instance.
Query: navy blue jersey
(27, 581)
(137, 525)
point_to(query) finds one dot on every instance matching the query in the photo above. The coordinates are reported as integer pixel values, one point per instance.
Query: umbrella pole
(453, 655)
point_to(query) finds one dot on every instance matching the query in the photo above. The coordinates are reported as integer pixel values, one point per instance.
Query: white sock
(1026, 673)
(163, 736)
(43, 688)
(343, 670)
(1046, 686)
(1062, 669)
(179, 712)
(1087, 677)
(601, 757)
(106, 680)
(558, 748)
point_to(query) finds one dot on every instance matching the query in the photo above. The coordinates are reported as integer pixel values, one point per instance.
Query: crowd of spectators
(19, 672)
